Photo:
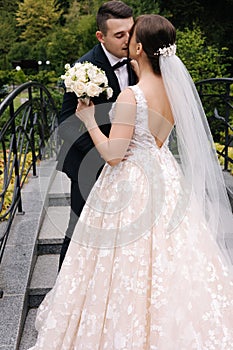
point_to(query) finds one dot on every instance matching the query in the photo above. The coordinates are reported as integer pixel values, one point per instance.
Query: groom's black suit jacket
(77, 143)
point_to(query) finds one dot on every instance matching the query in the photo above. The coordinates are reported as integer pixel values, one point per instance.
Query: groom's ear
(100, 36)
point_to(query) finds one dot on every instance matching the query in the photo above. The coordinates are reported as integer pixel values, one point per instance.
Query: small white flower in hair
(166, 51)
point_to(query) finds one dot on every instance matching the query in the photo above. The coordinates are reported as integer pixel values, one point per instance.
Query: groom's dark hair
(112, 9)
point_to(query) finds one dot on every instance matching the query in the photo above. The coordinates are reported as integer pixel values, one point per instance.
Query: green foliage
(19, 77)
(86, 38)
(57, 95)
(7, 32)
(8, 36)
(213, 17)
(62, 31)
(203, 61)
(143, 6)
(8, 6)
(182, 13)
(44, 77)
(12, 77)
(62, 5)
(5, 76)
(37, 18)
(72, 41)
(21, 50)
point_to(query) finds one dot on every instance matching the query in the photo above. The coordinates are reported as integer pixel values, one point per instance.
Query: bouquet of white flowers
(86, 80)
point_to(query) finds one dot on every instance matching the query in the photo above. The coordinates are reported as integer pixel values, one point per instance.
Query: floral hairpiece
(166, 51)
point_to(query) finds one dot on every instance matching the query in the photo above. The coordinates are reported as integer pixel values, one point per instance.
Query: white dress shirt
(121, 72)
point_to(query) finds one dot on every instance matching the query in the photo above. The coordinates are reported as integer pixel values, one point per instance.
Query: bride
(147, 267)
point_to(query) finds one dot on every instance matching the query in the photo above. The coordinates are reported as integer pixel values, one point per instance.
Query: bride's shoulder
(127, 96)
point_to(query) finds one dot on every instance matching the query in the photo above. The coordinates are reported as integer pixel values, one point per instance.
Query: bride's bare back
(160, 118)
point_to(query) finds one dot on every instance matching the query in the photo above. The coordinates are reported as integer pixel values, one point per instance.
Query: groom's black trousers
(76, 205)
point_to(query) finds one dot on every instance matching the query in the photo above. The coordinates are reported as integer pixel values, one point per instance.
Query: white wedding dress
(135, 276)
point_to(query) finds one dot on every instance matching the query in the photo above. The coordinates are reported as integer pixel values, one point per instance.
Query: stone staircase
(30, 261)
(48, 249)
(30, 264)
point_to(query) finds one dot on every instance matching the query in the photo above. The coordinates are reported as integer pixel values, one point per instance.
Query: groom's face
(116, 38)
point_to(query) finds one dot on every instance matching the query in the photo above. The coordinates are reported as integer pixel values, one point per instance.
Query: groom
(78, 158)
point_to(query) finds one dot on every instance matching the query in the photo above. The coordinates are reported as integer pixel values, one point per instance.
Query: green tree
(182, 13)
(202, 60)
(8, 6)
(143, 6)
(62, 5)
(7, 37)
(213, 17)
(61, 31)
(71, 41)
(86, 7)
(21, 50)
(36, 18)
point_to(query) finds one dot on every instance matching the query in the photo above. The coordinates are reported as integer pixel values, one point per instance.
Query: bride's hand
(86, 113)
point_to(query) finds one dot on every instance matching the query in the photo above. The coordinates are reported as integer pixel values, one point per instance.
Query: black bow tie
(120, 64)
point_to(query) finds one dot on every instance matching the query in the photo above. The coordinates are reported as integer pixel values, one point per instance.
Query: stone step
(43, 278)
(20, 255)
(60, 185)
(54, 225)
(29, 334)
(52, 231)
(59, 193)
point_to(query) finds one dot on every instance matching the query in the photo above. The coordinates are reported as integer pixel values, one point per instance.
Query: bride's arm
(114, 147)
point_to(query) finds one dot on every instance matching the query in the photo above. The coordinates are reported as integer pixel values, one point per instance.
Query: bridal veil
(202, 174)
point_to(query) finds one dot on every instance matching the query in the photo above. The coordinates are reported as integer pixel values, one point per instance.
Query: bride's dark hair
(154, 32)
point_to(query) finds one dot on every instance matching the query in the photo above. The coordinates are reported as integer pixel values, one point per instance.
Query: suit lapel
(103, 62)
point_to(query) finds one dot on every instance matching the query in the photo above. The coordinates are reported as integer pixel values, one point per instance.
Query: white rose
(109, 91)
(89, 65)
(67, 66)
(82, 76)
(93, 89)
(100, 79)
(68, 83)
(77, 65)
(91, 71)
(73, 74)
(79, 88)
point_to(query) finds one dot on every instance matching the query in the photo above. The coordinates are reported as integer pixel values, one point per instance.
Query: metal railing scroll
(28, 124)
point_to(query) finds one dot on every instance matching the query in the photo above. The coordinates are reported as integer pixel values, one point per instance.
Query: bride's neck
(146, 72)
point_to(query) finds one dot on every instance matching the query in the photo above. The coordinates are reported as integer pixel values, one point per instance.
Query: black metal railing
(28, 133)
(217, 98)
